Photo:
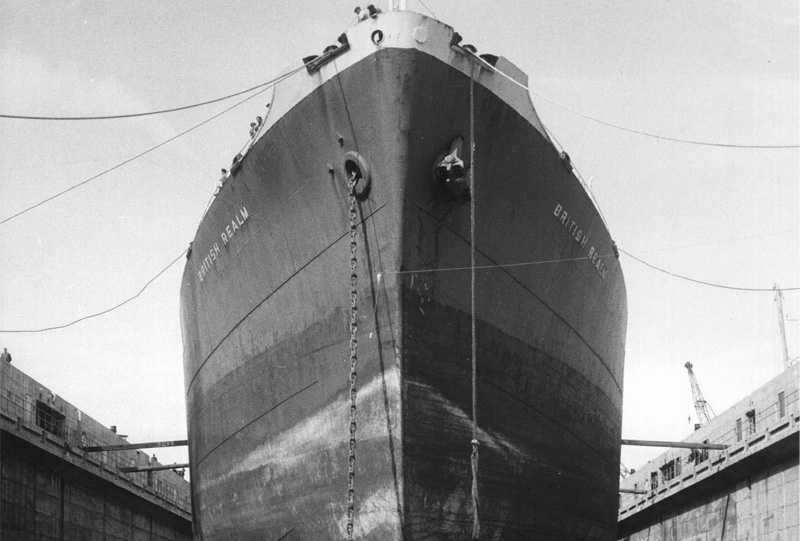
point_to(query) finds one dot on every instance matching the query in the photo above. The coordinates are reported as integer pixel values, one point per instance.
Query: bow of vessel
(429, 132)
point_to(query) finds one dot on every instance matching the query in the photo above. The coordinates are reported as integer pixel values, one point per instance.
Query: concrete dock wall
(52, 490)
(44, 505)
(747, 491)
(762, 508)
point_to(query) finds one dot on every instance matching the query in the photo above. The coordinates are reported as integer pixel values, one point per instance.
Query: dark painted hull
(265, 316)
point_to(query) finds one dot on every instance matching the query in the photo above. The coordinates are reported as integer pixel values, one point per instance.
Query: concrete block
(792, 515)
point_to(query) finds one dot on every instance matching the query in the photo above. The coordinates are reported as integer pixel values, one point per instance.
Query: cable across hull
(266, 307)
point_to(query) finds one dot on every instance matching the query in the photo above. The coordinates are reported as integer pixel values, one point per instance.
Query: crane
(624, 471)
(782, 323)
(703, 408)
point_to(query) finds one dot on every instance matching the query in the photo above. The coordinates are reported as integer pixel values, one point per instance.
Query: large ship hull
(266, 311)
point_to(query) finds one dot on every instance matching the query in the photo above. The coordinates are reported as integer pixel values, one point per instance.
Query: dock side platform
(747, 491)
(50, 489)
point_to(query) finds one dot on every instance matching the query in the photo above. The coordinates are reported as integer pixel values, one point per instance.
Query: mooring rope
(351, 474)
(476, 524)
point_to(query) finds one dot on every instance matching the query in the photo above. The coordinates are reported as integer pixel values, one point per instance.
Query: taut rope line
(476, 524)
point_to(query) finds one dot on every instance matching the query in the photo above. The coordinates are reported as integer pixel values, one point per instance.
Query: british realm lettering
(582, 239)
(226, 235)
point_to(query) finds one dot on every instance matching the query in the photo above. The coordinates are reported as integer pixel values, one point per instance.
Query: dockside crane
(703, 408)
(624, 471)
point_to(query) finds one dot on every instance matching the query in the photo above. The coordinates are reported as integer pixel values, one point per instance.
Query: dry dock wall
(746, 492)
(763, 507)
(50, 489)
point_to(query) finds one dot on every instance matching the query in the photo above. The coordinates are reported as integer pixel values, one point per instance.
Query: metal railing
(657, 478)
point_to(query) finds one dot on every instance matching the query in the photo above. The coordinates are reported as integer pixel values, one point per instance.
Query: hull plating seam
(271, 293)
(599, 358)
(270, 410)
(549, 418)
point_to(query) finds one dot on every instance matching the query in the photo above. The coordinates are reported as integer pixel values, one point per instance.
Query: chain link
(351, 475)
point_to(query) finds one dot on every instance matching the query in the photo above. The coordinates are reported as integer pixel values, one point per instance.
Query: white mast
(782, 324)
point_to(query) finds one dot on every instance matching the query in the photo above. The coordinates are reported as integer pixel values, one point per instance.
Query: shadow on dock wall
(53, 490)
(46, 498)
(761, 506)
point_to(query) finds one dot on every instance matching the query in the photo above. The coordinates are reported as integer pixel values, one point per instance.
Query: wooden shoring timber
(153, 468)
(128, 446)
(676, 444)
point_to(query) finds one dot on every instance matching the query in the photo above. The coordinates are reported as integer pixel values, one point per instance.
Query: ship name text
(581, 239)
(227, 234)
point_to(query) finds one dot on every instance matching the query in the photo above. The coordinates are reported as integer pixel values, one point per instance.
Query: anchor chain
(351, 475)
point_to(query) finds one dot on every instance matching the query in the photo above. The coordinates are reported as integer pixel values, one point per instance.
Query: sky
(723, 73)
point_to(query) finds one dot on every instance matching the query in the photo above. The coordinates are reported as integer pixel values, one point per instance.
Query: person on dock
(5, 356)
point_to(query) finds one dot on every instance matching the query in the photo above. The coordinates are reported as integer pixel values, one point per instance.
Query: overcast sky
(723, 72)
